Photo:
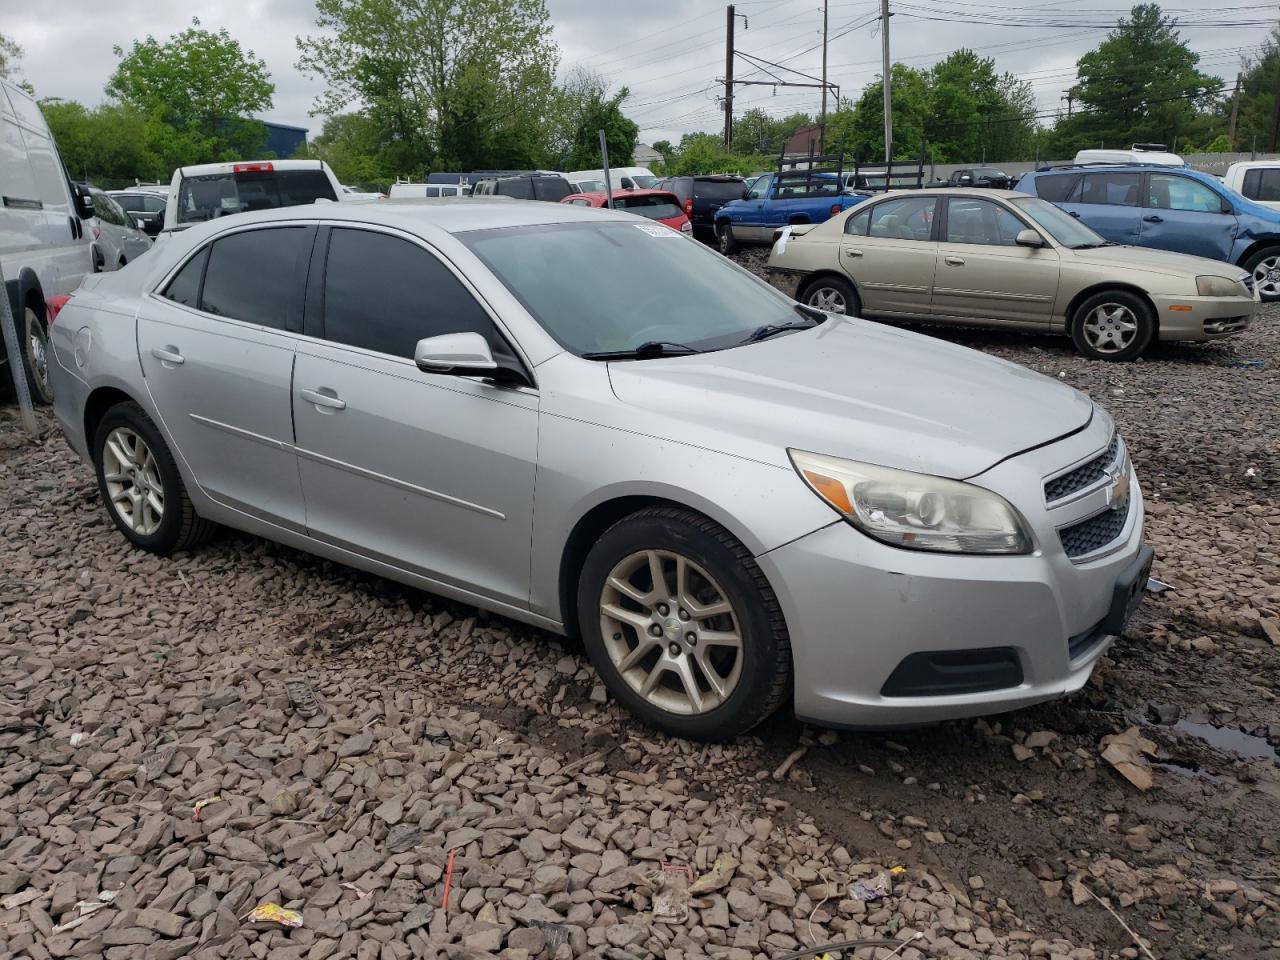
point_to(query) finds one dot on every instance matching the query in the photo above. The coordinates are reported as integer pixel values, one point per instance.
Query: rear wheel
(140, 484)
(34, 337)
(682, 626)
(1264, 266)
(834, 295)
(727, 241)
(1112, 325)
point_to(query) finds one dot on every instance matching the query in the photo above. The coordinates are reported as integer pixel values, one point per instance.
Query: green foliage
(755, 132)
(448, 84)
(705, 153)
(1259, 79)
(10, 54)
(1141, 84)
(111, 142)
(620, 134)
(201, 84)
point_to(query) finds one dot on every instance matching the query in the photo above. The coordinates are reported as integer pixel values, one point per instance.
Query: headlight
(914, 510)
(1218, 287)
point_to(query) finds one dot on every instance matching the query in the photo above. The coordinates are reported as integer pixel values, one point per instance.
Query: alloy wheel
(829, 299)
(1110, 327)
(39, 352)
(671, 631)
(1266, 276)
(133, 481)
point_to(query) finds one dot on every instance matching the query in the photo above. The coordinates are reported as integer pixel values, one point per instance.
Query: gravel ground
(133, 688)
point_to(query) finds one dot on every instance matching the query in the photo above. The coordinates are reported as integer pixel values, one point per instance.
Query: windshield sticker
(655, 231)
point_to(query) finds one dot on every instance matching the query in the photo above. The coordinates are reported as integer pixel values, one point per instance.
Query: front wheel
(1112, 325)
(140, 484)
(834, 295)
(728, 243)
(682, 626)
(1264, 267)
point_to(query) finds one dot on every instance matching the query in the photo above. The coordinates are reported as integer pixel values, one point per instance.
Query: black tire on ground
(1124, 304)
(834, 290)
(1254, 262)
(727, 242)
(180, 528)
(765, 679)
(33, 336)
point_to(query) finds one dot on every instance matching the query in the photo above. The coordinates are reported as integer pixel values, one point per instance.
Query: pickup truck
(774, 202)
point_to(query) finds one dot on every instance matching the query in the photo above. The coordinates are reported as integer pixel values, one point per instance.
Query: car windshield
(608, 301)
(988, 172)
(643, 182)
(220, 194)
(654, 207)
(718, 189)
(1063, 227)
(590, 186)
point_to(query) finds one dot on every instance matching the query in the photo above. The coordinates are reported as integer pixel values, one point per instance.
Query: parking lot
(133, 688)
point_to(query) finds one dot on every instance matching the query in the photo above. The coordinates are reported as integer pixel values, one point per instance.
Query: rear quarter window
(1056, 187)
(1262, 183)
(254, 276)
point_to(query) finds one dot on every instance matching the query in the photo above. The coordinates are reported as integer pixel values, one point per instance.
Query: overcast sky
(669, 52)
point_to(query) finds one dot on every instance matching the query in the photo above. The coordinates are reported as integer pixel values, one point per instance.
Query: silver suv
(733, 498)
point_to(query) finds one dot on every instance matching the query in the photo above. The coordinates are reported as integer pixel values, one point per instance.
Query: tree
(10, 54)
(975, 113)
(1259, 79)
(863, 129)
(202, 84)
(1140, 84)
(620, 134)
(456, 83)
(111, 142)
(350, 144)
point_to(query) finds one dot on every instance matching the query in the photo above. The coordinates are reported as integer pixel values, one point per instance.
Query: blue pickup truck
(775, 201)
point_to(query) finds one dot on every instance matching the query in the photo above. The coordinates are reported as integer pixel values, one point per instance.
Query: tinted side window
(521, 188)
(909, 218)
(857, 224)
(1117, 189)
(383, 293)
(254, 276)
(551, 188)
(1056, 188)
(184, 288)
(1262, 183)
(156, 204)
(981, 221)
(105, 209)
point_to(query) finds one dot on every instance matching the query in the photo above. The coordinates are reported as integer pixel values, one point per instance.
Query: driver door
(429, 473)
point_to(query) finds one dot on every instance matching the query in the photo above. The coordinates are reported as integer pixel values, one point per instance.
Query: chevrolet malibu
(588, 422)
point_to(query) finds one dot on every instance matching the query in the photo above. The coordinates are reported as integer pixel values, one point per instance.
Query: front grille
(1085, 475)
(1096, 532)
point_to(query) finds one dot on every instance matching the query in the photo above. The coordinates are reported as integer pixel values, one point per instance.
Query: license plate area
(1129, 589)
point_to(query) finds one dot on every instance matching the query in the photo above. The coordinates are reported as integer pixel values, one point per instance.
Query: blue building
(284, 140)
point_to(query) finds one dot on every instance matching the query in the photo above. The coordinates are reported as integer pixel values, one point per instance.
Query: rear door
(983, 274)
(1110, 203)
(891, 251)
(216, 346)
(1186, 216)
(429, 473)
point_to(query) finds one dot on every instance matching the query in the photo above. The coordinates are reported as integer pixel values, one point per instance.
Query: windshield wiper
(772, 329)
(1093, 246)
(650, 348)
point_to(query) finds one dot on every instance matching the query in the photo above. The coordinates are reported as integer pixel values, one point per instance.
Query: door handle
(1152, 218)
(168, 354)
(956, 261)
(326, 400)
(853, 253)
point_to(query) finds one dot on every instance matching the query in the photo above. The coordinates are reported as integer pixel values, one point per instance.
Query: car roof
(644, 192)
(953, 192)
(206, 169)
(450, 214)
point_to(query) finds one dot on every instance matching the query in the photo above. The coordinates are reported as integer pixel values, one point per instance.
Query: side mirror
(965, 178)
(460, 354)
(1028, 238)
(152, 226)
(84, 201)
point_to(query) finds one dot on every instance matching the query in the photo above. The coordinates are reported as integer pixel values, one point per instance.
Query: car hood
(1155, 261)
(854, 389)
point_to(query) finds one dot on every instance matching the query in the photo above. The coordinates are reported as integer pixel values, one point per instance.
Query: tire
(727, 242)
(1264, 267)
(1112, 325)
(177, 526)
(837, 293)
(34, 338)
(754, 677)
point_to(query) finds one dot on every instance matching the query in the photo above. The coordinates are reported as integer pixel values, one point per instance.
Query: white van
(1155, 153)
(622, 178)
(44, 251)
(1256, 180)
(402, 191)
(211, 190)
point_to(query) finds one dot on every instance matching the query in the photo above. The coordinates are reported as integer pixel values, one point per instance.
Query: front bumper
(857, 609)
(1203, 318)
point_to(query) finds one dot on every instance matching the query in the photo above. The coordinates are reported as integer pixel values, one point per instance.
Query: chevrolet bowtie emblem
(1117, 487)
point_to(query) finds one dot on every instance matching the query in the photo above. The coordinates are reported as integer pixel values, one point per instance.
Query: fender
(19, 289)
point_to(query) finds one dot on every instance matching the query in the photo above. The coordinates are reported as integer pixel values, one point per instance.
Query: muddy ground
(1007, 827)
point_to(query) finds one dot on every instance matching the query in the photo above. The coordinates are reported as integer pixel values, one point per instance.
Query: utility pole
(1235, 112)
(822, 125)
(888, 82)
(1069, 96)
(728, 80)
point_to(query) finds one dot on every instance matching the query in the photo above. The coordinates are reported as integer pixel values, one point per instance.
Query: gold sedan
(1003, 259)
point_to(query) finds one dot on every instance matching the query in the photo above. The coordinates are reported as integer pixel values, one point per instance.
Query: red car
(660, 205)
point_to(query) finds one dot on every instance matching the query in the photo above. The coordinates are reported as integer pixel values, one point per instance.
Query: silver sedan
(587, 422)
